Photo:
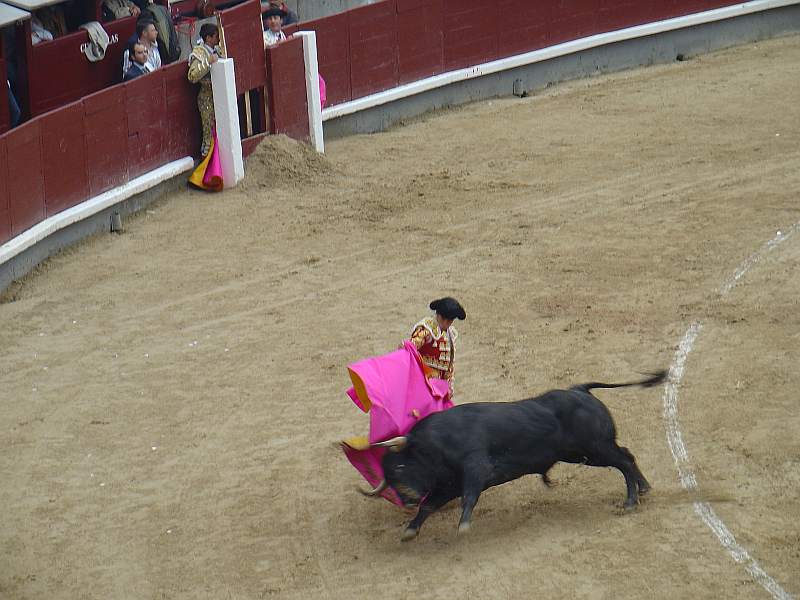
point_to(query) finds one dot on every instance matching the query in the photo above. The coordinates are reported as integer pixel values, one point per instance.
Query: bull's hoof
(464, 527)
(629, 507)
(409, 534)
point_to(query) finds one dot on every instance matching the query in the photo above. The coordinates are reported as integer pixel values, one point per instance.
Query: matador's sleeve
(198, 68)
(419, 336)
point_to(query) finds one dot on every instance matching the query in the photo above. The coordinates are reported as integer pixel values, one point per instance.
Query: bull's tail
(653, 380)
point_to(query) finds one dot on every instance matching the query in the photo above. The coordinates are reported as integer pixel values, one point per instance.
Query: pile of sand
(280, 160)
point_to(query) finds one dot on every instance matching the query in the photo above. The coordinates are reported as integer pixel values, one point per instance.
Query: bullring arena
(173, 396)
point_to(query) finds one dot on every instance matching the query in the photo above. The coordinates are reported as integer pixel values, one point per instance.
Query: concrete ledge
(608, 52)
(21, 254)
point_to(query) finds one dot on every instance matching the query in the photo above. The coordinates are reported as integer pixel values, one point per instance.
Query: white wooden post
(312, 89)
(226, 113)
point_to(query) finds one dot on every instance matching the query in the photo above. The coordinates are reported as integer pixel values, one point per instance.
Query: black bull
(472, 447)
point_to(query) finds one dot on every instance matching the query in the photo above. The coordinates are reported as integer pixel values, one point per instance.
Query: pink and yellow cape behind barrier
(393, 389)
(208, 174)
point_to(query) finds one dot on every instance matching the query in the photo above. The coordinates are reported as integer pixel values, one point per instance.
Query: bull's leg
(632, 498)
(641, 482)
(475, 477)
(430, 505)
(614, 457)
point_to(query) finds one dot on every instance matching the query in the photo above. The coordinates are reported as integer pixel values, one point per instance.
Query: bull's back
(494, 428)
(581, 415)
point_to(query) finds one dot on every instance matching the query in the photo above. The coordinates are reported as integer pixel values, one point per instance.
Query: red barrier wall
(106, 131)
(286, 90)
(26, 188)
(145, 109)
(64, 56)
(529, 28)
(64, 158)
(373, 48)
(470, 33)
(333, 54)
(244, 41)
(420, 39)
(619, 14)
(181, 114)
(573, 19)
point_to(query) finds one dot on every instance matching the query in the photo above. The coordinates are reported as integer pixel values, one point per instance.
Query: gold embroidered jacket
(436, 347)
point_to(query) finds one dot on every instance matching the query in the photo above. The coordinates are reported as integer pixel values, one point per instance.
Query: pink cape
(394, 390)
(208, 174)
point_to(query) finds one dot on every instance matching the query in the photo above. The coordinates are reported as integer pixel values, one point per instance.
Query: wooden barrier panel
(619, 14)
(288, 104)
(5, 213)
(106, 131)
(373, 48)
(687, 7)
(183, 119)
(146, 110)
(573, 19)
(244, 40)
(524, 26)
(333, 51)
(470, 33)
(420, 39)
(64, 158)
(77, 76)
(26, 188)
(5, 113)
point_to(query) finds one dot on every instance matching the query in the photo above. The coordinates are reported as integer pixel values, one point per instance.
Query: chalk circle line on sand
(675, 439)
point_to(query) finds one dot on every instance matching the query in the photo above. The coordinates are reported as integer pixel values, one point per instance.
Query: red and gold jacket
(436, 348)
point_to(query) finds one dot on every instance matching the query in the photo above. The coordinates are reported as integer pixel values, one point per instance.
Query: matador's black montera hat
(449, 308)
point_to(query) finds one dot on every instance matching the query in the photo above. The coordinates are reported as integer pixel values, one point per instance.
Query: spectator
(139, 65)
(53, 20)
(169, 46)
(273, 33)
(38, 32)
(147, 35)
(119, 9)
(205, 54)
(290, 16)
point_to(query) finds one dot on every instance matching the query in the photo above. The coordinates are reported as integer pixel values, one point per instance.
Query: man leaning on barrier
(203, 55)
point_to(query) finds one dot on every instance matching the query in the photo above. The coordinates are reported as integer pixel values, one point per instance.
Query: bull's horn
(381, 486)
(395, 444)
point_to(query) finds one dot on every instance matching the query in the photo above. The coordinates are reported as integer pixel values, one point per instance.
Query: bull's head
(407, 476)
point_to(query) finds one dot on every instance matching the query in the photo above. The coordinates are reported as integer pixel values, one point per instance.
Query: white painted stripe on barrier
(678, 448)
(519, 60)
(90, 207)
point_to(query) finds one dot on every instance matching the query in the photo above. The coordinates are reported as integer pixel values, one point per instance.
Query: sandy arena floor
(171, 397)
